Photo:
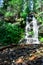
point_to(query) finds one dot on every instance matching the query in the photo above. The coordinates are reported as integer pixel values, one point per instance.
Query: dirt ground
(21, 55)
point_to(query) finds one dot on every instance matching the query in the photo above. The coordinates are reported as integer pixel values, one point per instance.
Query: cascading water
(34, 39)
(30, 20)
(27, 28)
(31, 5)
(35, 27)
(35, 30)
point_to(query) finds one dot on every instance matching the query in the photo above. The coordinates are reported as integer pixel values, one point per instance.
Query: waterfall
(29, 39)
(35, 31)
(35, 27)
(34, 38)
(31, 5)
(27, 28)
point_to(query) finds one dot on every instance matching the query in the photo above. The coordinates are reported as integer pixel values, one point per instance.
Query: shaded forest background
(12, 20)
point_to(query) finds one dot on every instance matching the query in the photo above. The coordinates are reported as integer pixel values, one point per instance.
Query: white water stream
(30, 39)
(34, 38)
(27, 28)
(35, 31)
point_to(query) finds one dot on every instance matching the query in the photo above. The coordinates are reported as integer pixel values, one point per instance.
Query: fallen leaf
(19, 61)
(32, 58)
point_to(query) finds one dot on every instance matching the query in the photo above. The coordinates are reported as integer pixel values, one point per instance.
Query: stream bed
(22, 55)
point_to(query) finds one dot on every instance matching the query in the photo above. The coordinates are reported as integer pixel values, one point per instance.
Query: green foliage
(13, 7)
(23, 14)
(9, 33)
(41, 40)
(38, 9)
(31, 33)
(8, 14)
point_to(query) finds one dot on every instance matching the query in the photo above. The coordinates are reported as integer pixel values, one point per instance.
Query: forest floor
(22, 55)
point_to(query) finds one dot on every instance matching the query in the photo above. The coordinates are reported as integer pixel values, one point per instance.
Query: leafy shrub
(9, 33)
